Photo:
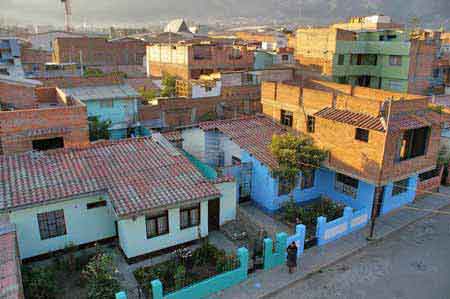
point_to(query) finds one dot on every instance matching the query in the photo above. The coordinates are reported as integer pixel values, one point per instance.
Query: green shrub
(39, 282)
(180, 277)
(99, 277)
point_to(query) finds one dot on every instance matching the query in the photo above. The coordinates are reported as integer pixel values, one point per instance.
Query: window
(285, 57)
(307, 180)
(157, 225)
(362, 135)
(346, 185)
(235, 160)
(208, 88)
(414, 143)
(51, 224)
(190, 217)
(429, 174)
(341, 59)
(400, 187)
(47, 144)
(97, 204)
(310, 124)
(106, 104)
(395, 85)
(287, 118)
(395, 60)
(285, 186)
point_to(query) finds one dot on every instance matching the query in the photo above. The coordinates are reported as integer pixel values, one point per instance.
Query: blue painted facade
(265, 190)
(263, 60)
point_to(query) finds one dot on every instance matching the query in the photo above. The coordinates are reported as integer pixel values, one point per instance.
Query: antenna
(68, 14)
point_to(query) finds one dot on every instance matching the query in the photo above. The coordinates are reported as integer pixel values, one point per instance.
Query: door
(214, 214)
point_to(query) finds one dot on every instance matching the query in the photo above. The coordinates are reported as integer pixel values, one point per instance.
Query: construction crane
(68, 14)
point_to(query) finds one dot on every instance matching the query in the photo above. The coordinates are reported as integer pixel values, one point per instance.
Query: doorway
(213, 214)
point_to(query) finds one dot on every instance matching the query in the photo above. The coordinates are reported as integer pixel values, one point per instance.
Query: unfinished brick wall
(34, 60)
(423, 57)
(97, 51)
(17, 95)
(81, 81)
(19, 128)
(348, 155)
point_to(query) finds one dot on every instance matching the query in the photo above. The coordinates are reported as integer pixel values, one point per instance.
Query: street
(412, 263)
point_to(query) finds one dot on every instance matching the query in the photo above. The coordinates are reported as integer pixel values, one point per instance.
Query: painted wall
(133, 235)
(230, 149)
(393, 202)
(199, 91)
(122, 111)
(82, 225)
(228, 201)
(194, 142)
(263, 60)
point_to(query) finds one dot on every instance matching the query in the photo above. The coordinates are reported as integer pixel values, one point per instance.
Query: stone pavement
(266, 283)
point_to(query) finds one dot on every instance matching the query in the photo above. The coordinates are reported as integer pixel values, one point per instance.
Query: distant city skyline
(109, 12)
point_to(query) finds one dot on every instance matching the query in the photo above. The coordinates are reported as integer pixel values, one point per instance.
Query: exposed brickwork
(34, 60)
(20, 127)
(97, 51)
(17, 95)
(81, 81)
(430, 185)
(373, 161)
(190, 61)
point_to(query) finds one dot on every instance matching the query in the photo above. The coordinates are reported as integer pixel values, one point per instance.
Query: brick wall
(347, 155)
(81, 81)
(19, 127)
(19, 96)
(98, 51)
(430, 185)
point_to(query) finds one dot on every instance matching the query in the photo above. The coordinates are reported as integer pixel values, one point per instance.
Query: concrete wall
(82, 225)
(228, 201)
(133, 235)
(194, 142)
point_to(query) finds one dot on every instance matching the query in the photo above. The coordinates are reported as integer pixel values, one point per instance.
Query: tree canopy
(168, 86)
(295, 154)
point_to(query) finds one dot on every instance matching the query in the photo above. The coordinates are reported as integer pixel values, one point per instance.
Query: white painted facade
(201, 91)
(194, 142)
(82, 226)
(228, 201)
(133, 234)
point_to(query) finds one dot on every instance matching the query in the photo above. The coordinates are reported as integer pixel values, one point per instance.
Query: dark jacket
(292, 256)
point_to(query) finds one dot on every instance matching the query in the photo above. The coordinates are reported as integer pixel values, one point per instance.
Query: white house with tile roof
(144, 192)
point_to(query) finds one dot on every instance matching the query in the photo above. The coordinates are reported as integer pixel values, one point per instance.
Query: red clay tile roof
(405, 122)
(10, 278)
(173, 136)
(136, 174)
(253, 134)
(352, 118)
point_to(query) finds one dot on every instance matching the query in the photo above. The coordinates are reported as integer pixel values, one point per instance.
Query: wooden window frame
(286, 115)
(156, 219)
(52, 224)
(190, 223)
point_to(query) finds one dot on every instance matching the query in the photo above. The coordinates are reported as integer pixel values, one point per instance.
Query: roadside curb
(347, 254)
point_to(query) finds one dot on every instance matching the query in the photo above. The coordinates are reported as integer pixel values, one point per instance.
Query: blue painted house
(229, 144)
(117, 103)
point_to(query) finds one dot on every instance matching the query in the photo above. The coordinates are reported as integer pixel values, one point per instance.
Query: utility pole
(378, 197)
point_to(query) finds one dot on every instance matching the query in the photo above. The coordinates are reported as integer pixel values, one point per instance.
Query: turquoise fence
(206, 287)
(209, 172)
(298, 238)
(330, 231)
(277, 257)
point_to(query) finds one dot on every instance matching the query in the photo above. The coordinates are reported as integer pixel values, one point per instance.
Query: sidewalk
(265, 283)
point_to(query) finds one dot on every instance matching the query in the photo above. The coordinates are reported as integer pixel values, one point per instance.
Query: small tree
(39, 282)
(98, 129)
(148, 94)
(99, 277)
(168, 86)
(295, 154)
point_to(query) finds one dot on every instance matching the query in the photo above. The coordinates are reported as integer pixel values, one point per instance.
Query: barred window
(51, 224)
(157, 225)
(190, 217)
(400, 187)
(346, 185)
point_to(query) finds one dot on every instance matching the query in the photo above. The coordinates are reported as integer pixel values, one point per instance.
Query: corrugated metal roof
(352, 118)
(87, 93)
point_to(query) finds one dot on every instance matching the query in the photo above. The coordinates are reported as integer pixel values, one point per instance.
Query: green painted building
(376, 59)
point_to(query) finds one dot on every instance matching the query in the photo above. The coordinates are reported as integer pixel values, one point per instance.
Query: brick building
(17, 93)
(56, 121)
(385, 58)
(217, 96)
(378, 140)
(189, 60)
(124, 54)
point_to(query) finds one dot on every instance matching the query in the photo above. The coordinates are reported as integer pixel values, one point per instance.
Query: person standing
(292, 257)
